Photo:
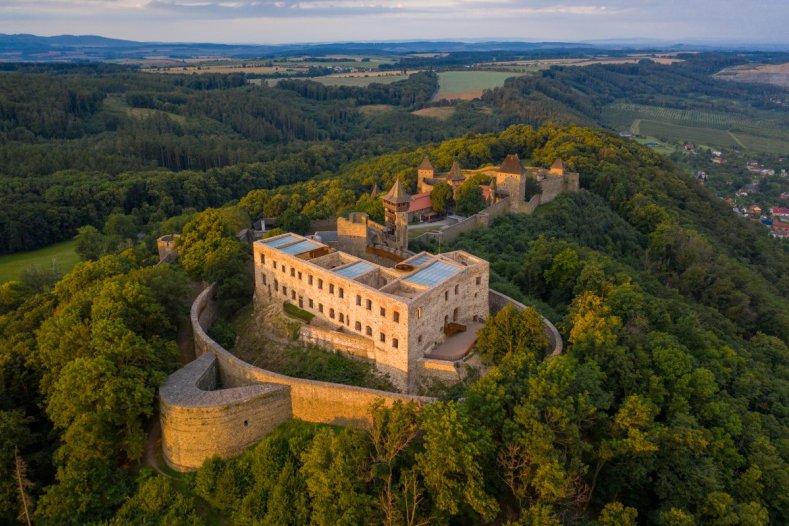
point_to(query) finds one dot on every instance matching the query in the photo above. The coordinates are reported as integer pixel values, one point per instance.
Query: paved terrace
(457, 346)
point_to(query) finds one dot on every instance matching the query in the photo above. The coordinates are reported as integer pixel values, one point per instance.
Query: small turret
(424, 171)
(396, 203)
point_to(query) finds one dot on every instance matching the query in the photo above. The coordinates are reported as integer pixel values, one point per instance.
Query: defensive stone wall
(311, 400)
(334, 339)
(200, 421)
(220, 405)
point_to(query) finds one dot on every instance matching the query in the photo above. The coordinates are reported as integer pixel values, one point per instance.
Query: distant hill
(75, 48)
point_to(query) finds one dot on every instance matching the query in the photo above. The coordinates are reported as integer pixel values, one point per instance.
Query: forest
(669, 405)
(82, 142)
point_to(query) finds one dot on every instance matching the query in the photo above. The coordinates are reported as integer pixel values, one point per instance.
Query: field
(252, 66)
(441, 113)
(704, 128)
(468, 85)
(360, 79)
(61, 255)
(777, 74)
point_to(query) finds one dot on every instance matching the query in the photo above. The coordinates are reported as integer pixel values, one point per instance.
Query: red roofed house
(420, 208)
(781, 213)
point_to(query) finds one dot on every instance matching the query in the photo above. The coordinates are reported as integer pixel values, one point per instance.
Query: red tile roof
(420, 202)
(780, 211)
(511, 165)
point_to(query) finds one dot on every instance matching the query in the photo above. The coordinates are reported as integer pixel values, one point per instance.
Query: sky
(288, 21)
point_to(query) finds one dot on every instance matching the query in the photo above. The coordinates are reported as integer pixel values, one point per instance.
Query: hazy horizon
(320, 21)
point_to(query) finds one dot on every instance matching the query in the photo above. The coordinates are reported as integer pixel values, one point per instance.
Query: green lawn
(469, 84)
(62, 255)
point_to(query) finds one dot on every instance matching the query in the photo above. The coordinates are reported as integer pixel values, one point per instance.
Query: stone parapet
(200, 421)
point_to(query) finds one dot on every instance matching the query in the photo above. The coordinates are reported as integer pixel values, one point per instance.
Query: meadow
(60, 255)
(468, 85)
(705, 128)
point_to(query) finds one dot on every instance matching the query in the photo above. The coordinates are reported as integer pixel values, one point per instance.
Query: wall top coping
(181, 388)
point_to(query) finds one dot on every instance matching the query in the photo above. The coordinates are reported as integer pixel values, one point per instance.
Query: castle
(412, 315)
(508, 182)
(394, 317)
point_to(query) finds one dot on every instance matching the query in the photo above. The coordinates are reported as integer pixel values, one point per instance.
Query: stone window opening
(479, 280)
(320, 308)
(342, 292)
(274, 264)
(358, 326)
(264, 279)
(284, 269)
(369, 331)
(457, 289)
(396, 317)
(320, 284)
(419, 339)
(309, 279)
(276, 285)
(342, 318)
(293, 294)
(446, 320)
(262, 258)
(331, 288)
(419, 313)
(383, 312)
(383, 338)
(285, 290)
(394, 342)
(446, 295)
(246, 423)
(358, 300)
(310, 303)
(455, 314)
(301, 302)
(299, 276)
(331, 313)
(292, 272)
(369, 305)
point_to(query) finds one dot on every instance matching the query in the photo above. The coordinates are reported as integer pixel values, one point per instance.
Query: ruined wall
(326, 337)
(199, 421)
(311, 400)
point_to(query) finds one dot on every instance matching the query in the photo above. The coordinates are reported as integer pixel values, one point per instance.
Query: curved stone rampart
(200, 421)
(311, 400)
(220, 405)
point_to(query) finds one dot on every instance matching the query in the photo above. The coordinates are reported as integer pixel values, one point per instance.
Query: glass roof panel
(355, 269)
(433, 274)
(302, 246)
(280, 241)
(420, 260)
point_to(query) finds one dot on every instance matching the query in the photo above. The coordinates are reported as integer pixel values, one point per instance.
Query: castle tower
(396, 203)
(424, 171)
(455, 177)
(510, 178)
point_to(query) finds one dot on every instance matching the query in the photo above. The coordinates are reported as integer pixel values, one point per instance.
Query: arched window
(358, 326)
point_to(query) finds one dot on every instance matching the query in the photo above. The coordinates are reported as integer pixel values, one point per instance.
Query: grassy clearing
(706, 128)
(441, 113)
(359, 80)
(374, 109)
(62, 255)
(469, 84)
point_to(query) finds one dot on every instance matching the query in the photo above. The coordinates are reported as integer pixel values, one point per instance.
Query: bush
(223, 333)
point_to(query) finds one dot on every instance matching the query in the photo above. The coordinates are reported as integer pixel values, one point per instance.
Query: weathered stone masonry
(200, 421)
